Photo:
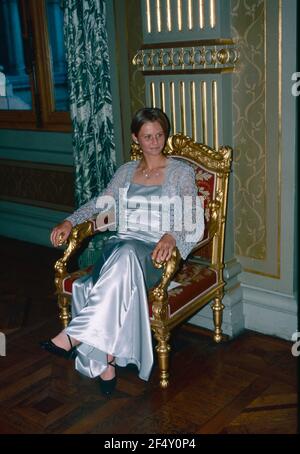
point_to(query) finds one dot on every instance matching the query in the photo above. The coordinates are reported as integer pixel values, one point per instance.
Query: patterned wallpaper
(43, 185)
(135, 39)
(249, 129)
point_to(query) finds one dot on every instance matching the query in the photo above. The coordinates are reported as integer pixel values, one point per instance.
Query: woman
(110, 319)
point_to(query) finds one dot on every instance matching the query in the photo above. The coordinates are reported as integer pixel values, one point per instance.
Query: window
(32, 58)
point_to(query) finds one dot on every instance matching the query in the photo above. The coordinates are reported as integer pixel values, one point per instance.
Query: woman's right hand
(60, 233)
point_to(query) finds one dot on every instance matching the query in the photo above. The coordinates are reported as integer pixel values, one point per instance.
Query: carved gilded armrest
(214, 211)
(78, 233)
(214, 221)
(159, 294)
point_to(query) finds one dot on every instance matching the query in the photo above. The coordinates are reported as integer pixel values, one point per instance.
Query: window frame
(42, 116)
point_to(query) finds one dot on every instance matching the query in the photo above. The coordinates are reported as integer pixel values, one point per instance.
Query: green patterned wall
(249, 123)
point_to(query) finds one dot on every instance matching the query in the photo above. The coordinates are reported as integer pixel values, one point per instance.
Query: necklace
(148, 173)
(155, 172)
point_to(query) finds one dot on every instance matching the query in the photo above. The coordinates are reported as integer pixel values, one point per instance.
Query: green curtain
(90, 96)
(86, 45)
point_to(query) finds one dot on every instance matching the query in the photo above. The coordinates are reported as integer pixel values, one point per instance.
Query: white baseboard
(255, 309)
(269, 312)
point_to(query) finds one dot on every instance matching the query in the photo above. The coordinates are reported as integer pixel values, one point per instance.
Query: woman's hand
(60, 233)
(163, 249)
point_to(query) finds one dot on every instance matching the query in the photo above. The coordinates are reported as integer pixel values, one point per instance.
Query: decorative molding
(38, 184)
(134, 35)
(257, 128)
(28, 223)
(193, 104)
(249, 127)
(166, 20)
(231, 271)
(187, 72)
(269, 312)
(259, 310)
(190, 43)
(52, 148)
(191, 57)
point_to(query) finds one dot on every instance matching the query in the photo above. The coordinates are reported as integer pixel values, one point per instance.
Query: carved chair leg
(162, 336)
(217, 308)
(64, 310)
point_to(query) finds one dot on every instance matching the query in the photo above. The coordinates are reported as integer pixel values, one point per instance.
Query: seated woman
(110, 317)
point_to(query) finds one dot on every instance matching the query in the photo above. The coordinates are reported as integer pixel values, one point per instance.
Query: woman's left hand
(163, 249)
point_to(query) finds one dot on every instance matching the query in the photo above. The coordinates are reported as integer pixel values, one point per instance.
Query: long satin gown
(110, 312)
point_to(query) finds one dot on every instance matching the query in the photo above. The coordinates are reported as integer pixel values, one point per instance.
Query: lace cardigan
(179, 181)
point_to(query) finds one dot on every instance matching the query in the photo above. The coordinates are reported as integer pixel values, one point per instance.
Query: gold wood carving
(159, 299)
(217, 308)
(214, 209)
(162, 335)
(181, 145)
(159, 295)
(192, 57)
(77, 235)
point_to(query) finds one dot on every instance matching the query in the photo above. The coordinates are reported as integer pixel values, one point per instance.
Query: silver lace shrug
(179, 181)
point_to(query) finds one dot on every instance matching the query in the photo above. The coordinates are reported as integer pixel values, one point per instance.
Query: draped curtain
(87, 58)
(86, 45)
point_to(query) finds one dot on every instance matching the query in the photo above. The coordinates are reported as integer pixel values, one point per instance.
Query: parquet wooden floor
(247, 385)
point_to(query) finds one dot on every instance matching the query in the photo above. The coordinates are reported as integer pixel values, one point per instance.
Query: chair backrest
(212, 169)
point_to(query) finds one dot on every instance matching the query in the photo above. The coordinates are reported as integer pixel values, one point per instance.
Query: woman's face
(151, 138)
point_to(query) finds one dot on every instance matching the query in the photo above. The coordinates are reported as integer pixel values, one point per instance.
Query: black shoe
(58, 351)
(108, 386)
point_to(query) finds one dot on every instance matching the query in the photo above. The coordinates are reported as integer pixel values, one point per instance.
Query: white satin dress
(110, 313)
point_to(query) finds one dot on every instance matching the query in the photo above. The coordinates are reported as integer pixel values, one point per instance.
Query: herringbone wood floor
(243, 386)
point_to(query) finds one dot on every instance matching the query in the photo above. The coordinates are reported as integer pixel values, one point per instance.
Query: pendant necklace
(147, 173)
(155, 172)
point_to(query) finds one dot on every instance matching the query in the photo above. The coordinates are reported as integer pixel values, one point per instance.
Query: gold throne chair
(199, 278)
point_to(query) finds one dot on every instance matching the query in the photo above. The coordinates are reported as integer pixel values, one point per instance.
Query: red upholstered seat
(67, 282)
(195, 280)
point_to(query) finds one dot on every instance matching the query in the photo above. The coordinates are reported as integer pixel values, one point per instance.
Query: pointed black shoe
(108, 386)
(50, 347)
